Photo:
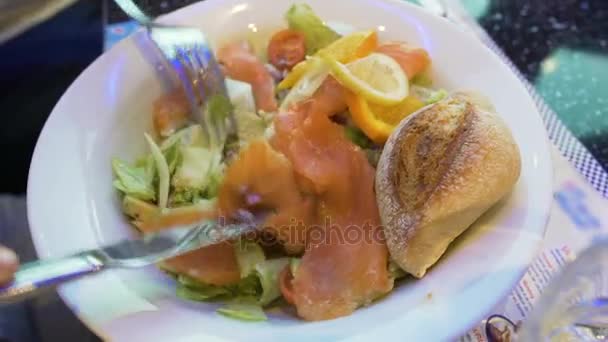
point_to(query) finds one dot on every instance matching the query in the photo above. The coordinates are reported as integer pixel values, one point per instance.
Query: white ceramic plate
(104, 113)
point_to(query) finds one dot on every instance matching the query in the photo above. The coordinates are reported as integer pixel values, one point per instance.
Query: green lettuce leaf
(268, 273)
(183, 197)
(198, 175)
(436, 96)
(200, 294)
(252, 262)
(248, 287)
(373, 156)
(355, 135)
(248, 255)
(135, 181)
(423, 79)
(189, 288)
(196, 169)
(215, 180)
(250, 126)
(428, 95)
(139, 210)
(300, 17)
(243, 312)
(219, 107)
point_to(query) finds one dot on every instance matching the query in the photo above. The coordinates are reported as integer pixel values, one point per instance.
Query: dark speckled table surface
(561, 46)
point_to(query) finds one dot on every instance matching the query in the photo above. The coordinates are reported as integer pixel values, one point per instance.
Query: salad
(313, 112)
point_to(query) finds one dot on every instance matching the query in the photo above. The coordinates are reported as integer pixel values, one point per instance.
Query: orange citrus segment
(344, 50)
(378, 122)
(393, 115)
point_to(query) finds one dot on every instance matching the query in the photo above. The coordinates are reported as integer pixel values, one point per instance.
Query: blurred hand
(9, 263)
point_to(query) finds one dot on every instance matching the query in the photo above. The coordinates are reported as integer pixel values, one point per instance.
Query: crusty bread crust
(440, 170)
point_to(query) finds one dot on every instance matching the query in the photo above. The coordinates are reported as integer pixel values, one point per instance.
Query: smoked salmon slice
(170, 112)
(329, 98)
(240, 63)
(262, 179)
(345, 262)
(413, 60)
(214, 265)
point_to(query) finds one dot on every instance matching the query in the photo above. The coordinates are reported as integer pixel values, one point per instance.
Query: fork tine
(184, 70)
(201, 77)
(209, 81)
(201, 82)
(217, 78)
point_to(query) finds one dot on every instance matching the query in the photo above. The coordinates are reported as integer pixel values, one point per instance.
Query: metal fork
(188, 53)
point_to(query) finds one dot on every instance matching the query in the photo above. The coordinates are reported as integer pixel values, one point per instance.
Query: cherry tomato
(286, 49)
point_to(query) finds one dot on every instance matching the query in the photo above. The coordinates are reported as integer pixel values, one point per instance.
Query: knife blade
(34, 277)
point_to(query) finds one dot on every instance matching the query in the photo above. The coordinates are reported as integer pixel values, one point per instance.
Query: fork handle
(33, 278)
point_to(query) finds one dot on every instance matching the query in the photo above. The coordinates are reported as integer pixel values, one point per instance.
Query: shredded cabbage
(196, 165)
(172, 156)
(195, 169)
(163, 173)
(241, 95)
(250, 126)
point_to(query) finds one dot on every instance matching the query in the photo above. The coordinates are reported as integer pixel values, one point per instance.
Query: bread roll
(440, 170)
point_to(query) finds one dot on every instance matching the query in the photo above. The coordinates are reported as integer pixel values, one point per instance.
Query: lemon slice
(307, 84)
(377, 78)
(348, 48)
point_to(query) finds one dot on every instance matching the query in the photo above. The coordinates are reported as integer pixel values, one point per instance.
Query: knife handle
(35, 277)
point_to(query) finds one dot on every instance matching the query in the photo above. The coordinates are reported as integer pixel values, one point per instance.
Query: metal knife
(34, 277)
